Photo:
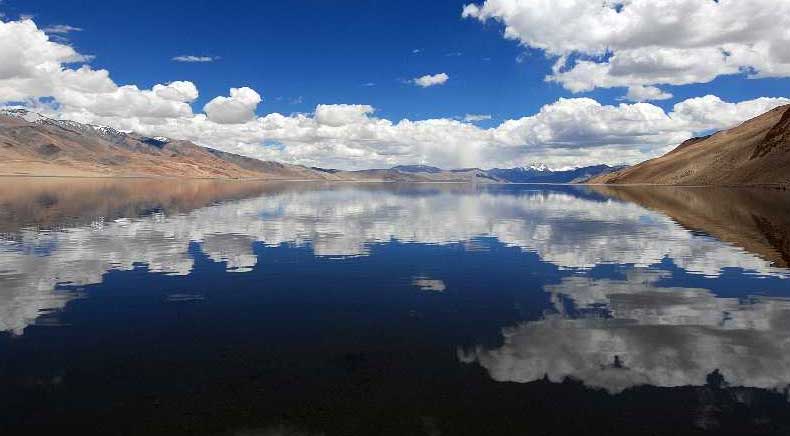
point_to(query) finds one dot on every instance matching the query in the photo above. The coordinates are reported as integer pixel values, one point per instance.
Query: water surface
(210, 307)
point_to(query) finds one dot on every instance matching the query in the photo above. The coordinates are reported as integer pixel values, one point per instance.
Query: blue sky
(313, 52)
(299, 54)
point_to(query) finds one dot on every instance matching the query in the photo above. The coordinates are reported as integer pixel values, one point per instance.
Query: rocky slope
(756, 152)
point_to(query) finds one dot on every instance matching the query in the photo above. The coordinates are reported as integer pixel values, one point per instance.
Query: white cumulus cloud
(337, 115)
(177, 91)
(431, 80)
(633, 43)
(236, 109)
(646, 93)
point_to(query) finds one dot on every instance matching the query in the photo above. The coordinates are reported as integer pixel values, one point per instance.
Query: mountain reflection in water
(160, 295)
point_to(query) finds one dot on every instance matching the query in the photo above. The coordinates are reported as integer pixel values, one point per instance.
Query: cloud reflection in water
(564, 228)
(636, 332)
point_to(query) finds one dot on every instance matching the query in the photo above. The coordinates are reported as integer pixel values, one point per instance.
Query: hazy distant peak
(416, 169)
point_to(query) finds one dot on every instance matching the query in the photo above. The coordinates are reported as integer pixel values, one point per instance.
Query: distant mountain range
(31, 144)
(756, 152)
(522, 174)
(540, 175)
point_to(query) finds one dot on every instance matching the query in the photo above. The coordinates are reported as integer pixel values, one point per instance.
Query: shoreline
(776, 186)
(228, 179)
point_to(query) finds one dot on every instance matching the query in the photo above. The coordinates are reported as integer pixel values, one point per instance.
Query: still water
(209, 307)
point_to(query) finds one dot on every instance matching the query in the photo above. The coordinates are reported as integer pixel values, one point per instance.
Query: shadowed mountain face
(759, 222)
(755, 153)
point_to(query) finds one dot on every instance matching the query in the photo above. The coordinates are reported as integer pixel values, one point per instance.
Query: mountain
(756, 152)
(31, 144)
(544, 175)
(417, 169)
(466, 175)
(512, 175)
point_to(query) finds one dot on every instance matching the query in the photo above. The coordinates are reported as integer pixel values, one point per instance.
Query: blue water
(205, 307)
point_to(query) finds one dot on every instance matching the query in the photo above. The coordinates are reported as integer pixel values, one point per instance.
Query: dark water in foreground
(205, 307)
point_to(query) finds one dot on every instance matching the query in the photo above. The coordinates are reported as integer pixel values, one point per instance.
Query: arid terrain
(756, 152)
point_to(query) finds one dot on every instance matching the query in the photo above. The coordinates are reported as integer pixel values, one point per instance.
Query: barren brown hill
(759, 224)
(34, 145)
(756, 152)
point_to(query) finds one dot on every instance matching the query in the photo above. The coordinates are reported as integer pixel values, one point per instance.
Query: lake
(258, 308)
